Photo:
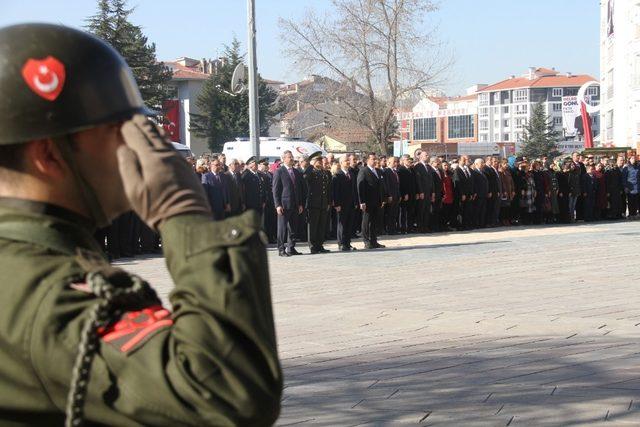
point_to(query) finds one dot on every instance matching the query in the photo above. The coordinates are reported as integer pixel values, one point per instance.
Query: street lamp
(254, 118)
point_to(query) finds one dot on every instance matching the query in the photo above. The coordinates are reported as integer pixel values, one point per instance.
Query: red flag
(586, 123)
(171, 125)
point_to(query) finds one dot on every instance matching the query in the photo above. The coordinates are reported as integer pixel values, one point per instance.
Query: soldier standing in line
(270, 218)
(253, 187)
(318, 202)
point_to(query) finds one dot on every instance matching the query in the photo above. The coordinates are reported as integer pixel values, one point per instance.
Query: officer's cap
(312, 156)
(250, 160)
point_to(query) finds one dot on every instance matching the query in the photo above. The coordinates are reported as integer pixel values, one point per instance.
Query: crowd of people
(317, 198)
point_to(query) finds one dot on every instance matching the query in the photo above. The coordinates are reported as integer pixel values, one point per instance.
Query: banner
(571, 116)
(171, 121)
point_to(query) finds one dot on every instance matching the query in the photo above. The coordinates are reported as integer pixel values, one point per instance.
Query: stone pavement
(503, 327)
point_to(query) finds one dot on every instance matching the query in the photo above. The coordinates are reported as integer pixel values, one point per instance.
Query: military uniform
(318, 200)
(80, 336)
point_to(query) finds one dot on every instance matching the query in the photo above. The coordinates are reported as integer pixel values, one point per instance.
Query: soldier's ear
(45, 159)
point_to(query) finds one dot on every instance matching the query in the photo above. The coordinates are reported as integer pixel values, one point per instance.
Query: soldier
(318, 202)
(252, 185)
(270, 219)
(79, 334)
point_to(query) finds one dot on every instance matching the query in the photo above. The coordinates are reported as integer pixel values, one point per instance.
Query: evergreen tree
(111, 23)
(224, 117)
(540, 137)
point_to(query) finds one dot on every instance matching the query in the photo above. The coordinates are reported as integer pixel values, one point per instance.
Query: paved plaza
(503, 327)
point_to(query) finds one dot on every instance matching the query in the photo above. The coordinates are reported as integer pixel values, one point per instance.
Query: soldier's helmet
(56, 80)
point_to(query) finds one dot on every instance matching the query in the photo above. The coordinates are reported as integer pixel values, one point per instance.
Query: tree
(540, 137)
(376, 50)
(111, 23)
(223, 116)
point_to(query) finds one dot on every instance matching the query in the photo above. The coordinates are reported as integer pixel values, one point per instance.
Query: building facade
(620, 72)
(438, 124)
(504, 108)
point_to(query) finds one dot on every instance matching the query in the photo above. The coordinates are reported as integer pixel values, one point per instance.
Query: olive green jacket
(213, 361)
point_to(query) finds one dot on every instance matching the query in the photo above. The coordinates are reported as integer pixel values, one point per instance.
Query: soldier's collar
(42, 208)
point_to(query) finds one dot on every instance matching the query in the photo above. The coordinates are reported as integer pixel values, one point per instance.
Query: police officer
(318, 202)
(78, 335)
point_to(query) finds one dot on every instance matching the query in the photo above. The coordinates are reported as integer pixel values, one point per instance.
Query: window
(505, 137)
(505, 110)
(496, 110)
(520, 95)
(522, 109)
(424, 128)
(483, 99)
(461, 126)
(557, 121)
(610, 84)
(496, 124)
(484, 112)
(592, 91)
(483, 138)
(496, 137)
(505, 123)
(556, 92)
(520, 123)
(496, 98)
(483, 125)
(557, 106)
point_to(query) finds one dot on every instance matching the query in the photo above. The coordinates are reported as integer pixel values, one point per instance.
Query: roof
(471, 97)
(181, 72)
(272, 82)
(543, 81)
(349, 135)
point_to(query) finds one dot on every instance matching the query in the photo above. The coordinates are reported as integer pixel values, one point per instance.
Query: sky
(490, 40)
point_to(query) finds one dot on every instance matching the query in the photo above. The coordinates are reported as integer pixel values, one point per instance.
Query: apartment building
(620, 72)
(505, 107)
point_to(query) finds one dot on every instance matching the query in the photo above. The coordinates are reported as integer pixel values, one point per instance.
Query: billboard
(571, 117)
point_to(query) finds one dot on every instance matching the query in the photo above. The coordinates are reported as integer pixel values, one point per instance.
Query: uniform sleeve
(213, 361)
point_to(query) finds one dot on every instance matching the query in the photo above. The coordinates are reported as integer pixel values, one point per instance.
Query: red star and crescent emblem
(45, 77)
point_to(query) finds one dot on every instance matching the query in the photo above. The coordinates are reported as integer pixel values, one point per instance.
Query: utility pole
(254, 118)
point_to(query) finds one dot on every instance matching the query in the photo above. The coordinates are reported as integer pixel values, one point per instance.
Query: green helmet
(56, 80)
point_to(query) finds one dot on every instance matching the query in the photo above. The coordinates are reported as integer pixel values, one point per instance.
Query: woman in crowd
(448, 212)
(562, 176)
(527, 193)
(508, 193)
(600, 211)
(541, 194)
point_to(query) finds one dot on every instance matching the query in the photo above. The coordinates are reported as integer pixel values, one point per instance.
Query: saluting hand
(363, 206)
(280, 210)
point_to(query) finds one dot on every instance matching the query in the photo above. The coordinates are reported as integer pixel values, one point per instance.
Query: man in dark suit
(216, 190)
(435, 220)
(354, 169)
(318, 202)
(252, 186)
(493, 197)
(463, 189)
(370, 196)
(288, 197)
(233, 181)
(344, 202)
(392, 208)
(481, 191)
(407, 194)
(425, 195)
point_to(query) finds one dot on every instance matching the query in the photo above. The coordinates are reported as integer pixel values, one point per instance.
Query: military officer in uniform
(270, 219)
(318, 202)
(253, 187)
(81, 337)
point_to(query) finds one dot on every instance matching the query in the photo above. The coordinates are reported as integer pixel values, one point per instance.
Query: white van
(270, 148)
(182, 149)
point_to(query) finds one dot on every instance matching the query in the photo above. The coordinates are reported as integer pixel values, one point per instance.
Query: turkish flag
(45, 77)
(171, 125)
(586, 122)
